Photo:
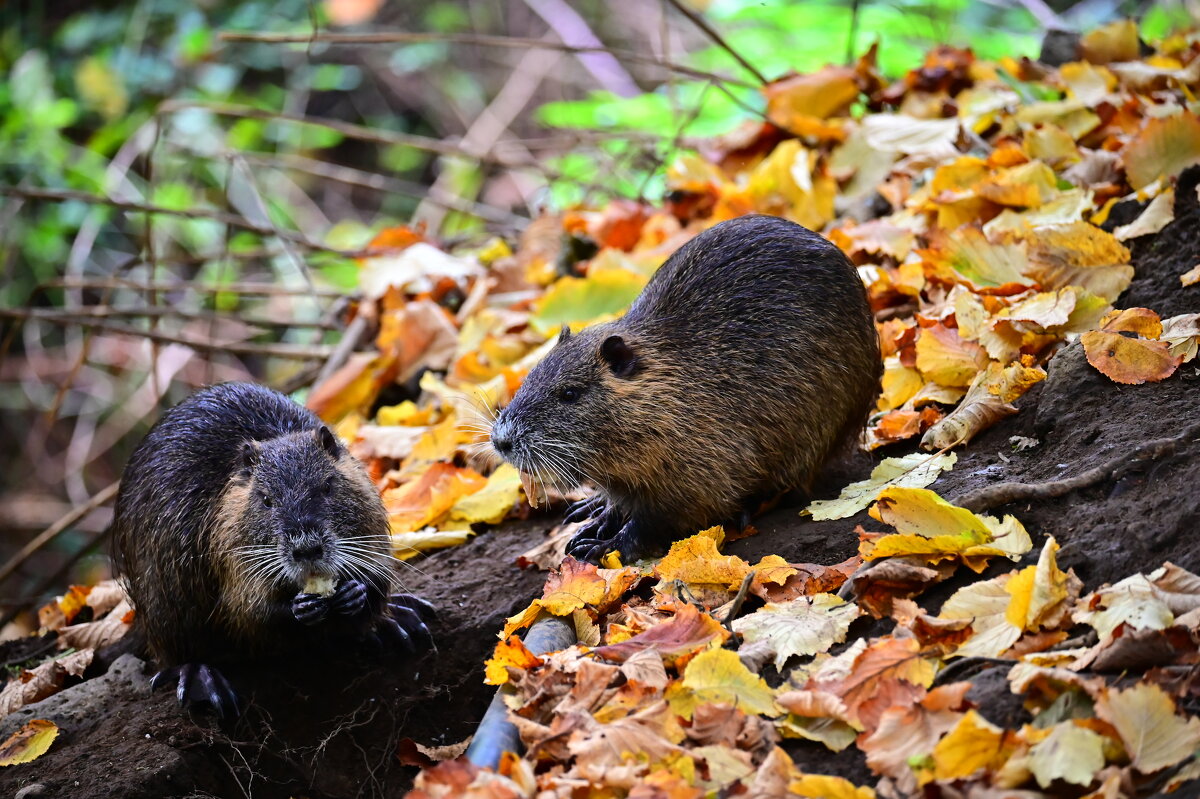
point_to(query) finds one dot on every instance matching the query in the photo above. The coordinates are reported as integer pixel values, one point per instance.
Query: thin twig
(1003, 493)
(483, 40)
(103, 312)
(62, 195)
(701, 23)
(292, 352)
(244, 288)
(55, 530)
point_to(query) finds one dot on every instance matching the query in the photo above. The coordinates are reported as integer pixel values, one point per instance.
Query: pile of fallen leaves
(972, 197)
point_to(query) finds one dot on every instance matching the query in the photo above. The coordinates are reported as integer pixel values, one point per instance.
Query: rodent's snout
(502, 445)
(503, 439)
(308, 551)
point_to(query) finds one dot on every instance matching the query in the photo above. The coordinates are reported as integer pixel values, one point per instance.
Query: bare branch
(483, 40)
(61, 195)
(701, 23)
(56, 529)
(292, 352)
(251, 289)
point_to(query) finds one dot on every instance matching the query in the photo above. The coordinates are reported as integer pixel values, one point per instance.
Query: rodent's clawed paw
(406, 626)
(197, 682)
(627, 541)
(601, 527)
(310, 609)
(584, 509)
(349, 599)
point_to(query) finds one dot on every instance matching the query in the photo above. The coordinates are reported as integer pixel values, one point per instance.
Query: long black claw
(583, 509)
(349, 599)
(412, 623)
(426, 611)
(397, 635)
(627, 542)
(310, 609)
(198, 682)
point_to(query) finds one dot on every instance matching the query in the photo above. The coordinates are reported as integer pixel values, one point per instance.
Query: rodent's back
(176, 524)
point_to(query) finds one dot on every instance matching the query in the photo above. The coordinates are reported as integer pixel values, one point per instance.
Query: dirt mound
(332, 729)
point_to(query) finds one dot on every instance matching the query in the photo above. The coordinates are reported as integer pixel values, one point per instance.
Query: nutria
(243, 528)
(747, 358)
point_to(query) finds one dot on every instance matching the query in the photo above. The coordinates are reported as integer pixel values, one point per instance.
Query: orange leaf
(686, 632)
(424, 500)
(1163, 149)
(696, 560)
(576, 585)
(511, 653)
(889, 672)
(1132, 361)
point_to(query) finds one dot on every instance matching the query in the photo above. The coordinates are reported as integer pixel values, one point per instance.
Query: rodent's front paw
(198, 682)
(310, 609)
(584, 509)
(350, 598)
(628, 542)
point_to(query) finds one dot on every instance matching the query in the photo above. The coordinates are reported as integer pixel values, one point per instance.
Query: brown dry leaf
(913, 731)
(1154, 735)
(889, 672)
(987, 401)
(1156, 216)
(801, 627)
(1079, 254)
(28, 743)
(687, 631)
(575, 585)
(43, 681)
(806, 579)
(1131, 361)
(1182, 335)
(892, 579)
(411, 753)
(1191, 277)
(99, 633)
(1116, 41)
(1163, 149)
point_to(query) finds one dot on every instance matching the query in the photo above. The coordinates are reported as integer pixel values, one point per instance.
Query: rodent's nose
(503, 445)
(302, 552)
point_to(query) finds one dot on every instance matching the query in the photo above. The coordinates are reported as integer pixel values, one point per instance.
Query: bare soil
(332, 728)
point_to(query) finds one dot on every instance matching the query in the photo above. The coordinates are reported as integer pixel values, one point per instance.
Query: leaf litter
(990, 255)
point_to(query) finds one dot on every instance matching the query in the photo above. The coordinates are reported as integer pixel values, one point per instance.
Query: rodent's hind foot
(405, 625)
(628, 541)
(198, 682)
(584, 509)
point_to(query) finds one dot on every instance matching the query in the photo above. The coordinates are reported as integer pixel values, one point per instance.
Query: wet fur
(186, 506)
(754, 353)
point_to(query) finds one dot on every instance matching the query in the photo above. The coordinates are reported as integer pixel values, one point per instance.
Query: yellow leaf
(577, 301)
(1116, 41)
(1086, 82)
(511, 652)
(911, 471)
(696, 560)
(101, 88)
(1070, 753)
(946, 358)
(1191, 277)
(576, 585)
(407, 545)
(1164, 148)
(425, 499)
(986, 402)
(1037, 590)
(804, 626)
(491, 503)
(719, 676)
(818, 786)
(900, 383)
(973, 744)
(1154, 736)
(28, 743)
(979, 262)
(985, 604)
(819, 94)
(1028, 185)
(1079, 254)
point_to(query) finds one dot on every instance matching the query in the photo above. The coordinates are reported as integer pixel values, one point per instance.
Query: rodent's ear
(329, 442)
(564, 333)
(620, 356)
(249, 456)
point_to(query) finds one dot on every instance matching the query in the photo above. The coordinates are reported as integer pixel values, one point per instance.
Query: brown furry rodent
(236, 500)
(748, 357)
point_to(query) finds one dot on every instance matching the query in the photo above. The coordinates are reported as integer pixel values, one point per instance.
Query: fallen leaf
(972, 745)
(911, 471)
(717, 675)
(28, 743)
(577, 301)
(1154, 735)
(802, 627)
(1156, 216)
(687, 631)
(696, 560)
(510, 653)
(491, 503)
(1131, 361)
(1163, 148)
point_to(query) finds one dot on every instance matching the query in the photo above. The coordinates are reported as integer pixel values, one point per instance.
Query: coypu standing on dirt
(748, 357)
(243, 527)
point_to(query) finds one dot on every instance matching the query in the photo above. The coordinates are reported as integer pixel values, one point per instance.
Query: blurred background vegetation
(275, 153)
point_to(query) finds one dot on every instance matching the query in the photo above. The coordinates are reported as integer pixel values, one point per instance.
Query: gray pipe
(496, 734)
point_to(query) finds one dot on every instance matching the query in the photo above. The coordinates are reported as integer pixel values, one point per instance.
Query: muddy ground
(333, 729)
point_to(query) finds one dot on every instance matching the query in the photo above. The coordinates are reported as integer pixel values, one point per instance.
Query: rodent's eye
(569, 394)
(266, 500)
(328, 487)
